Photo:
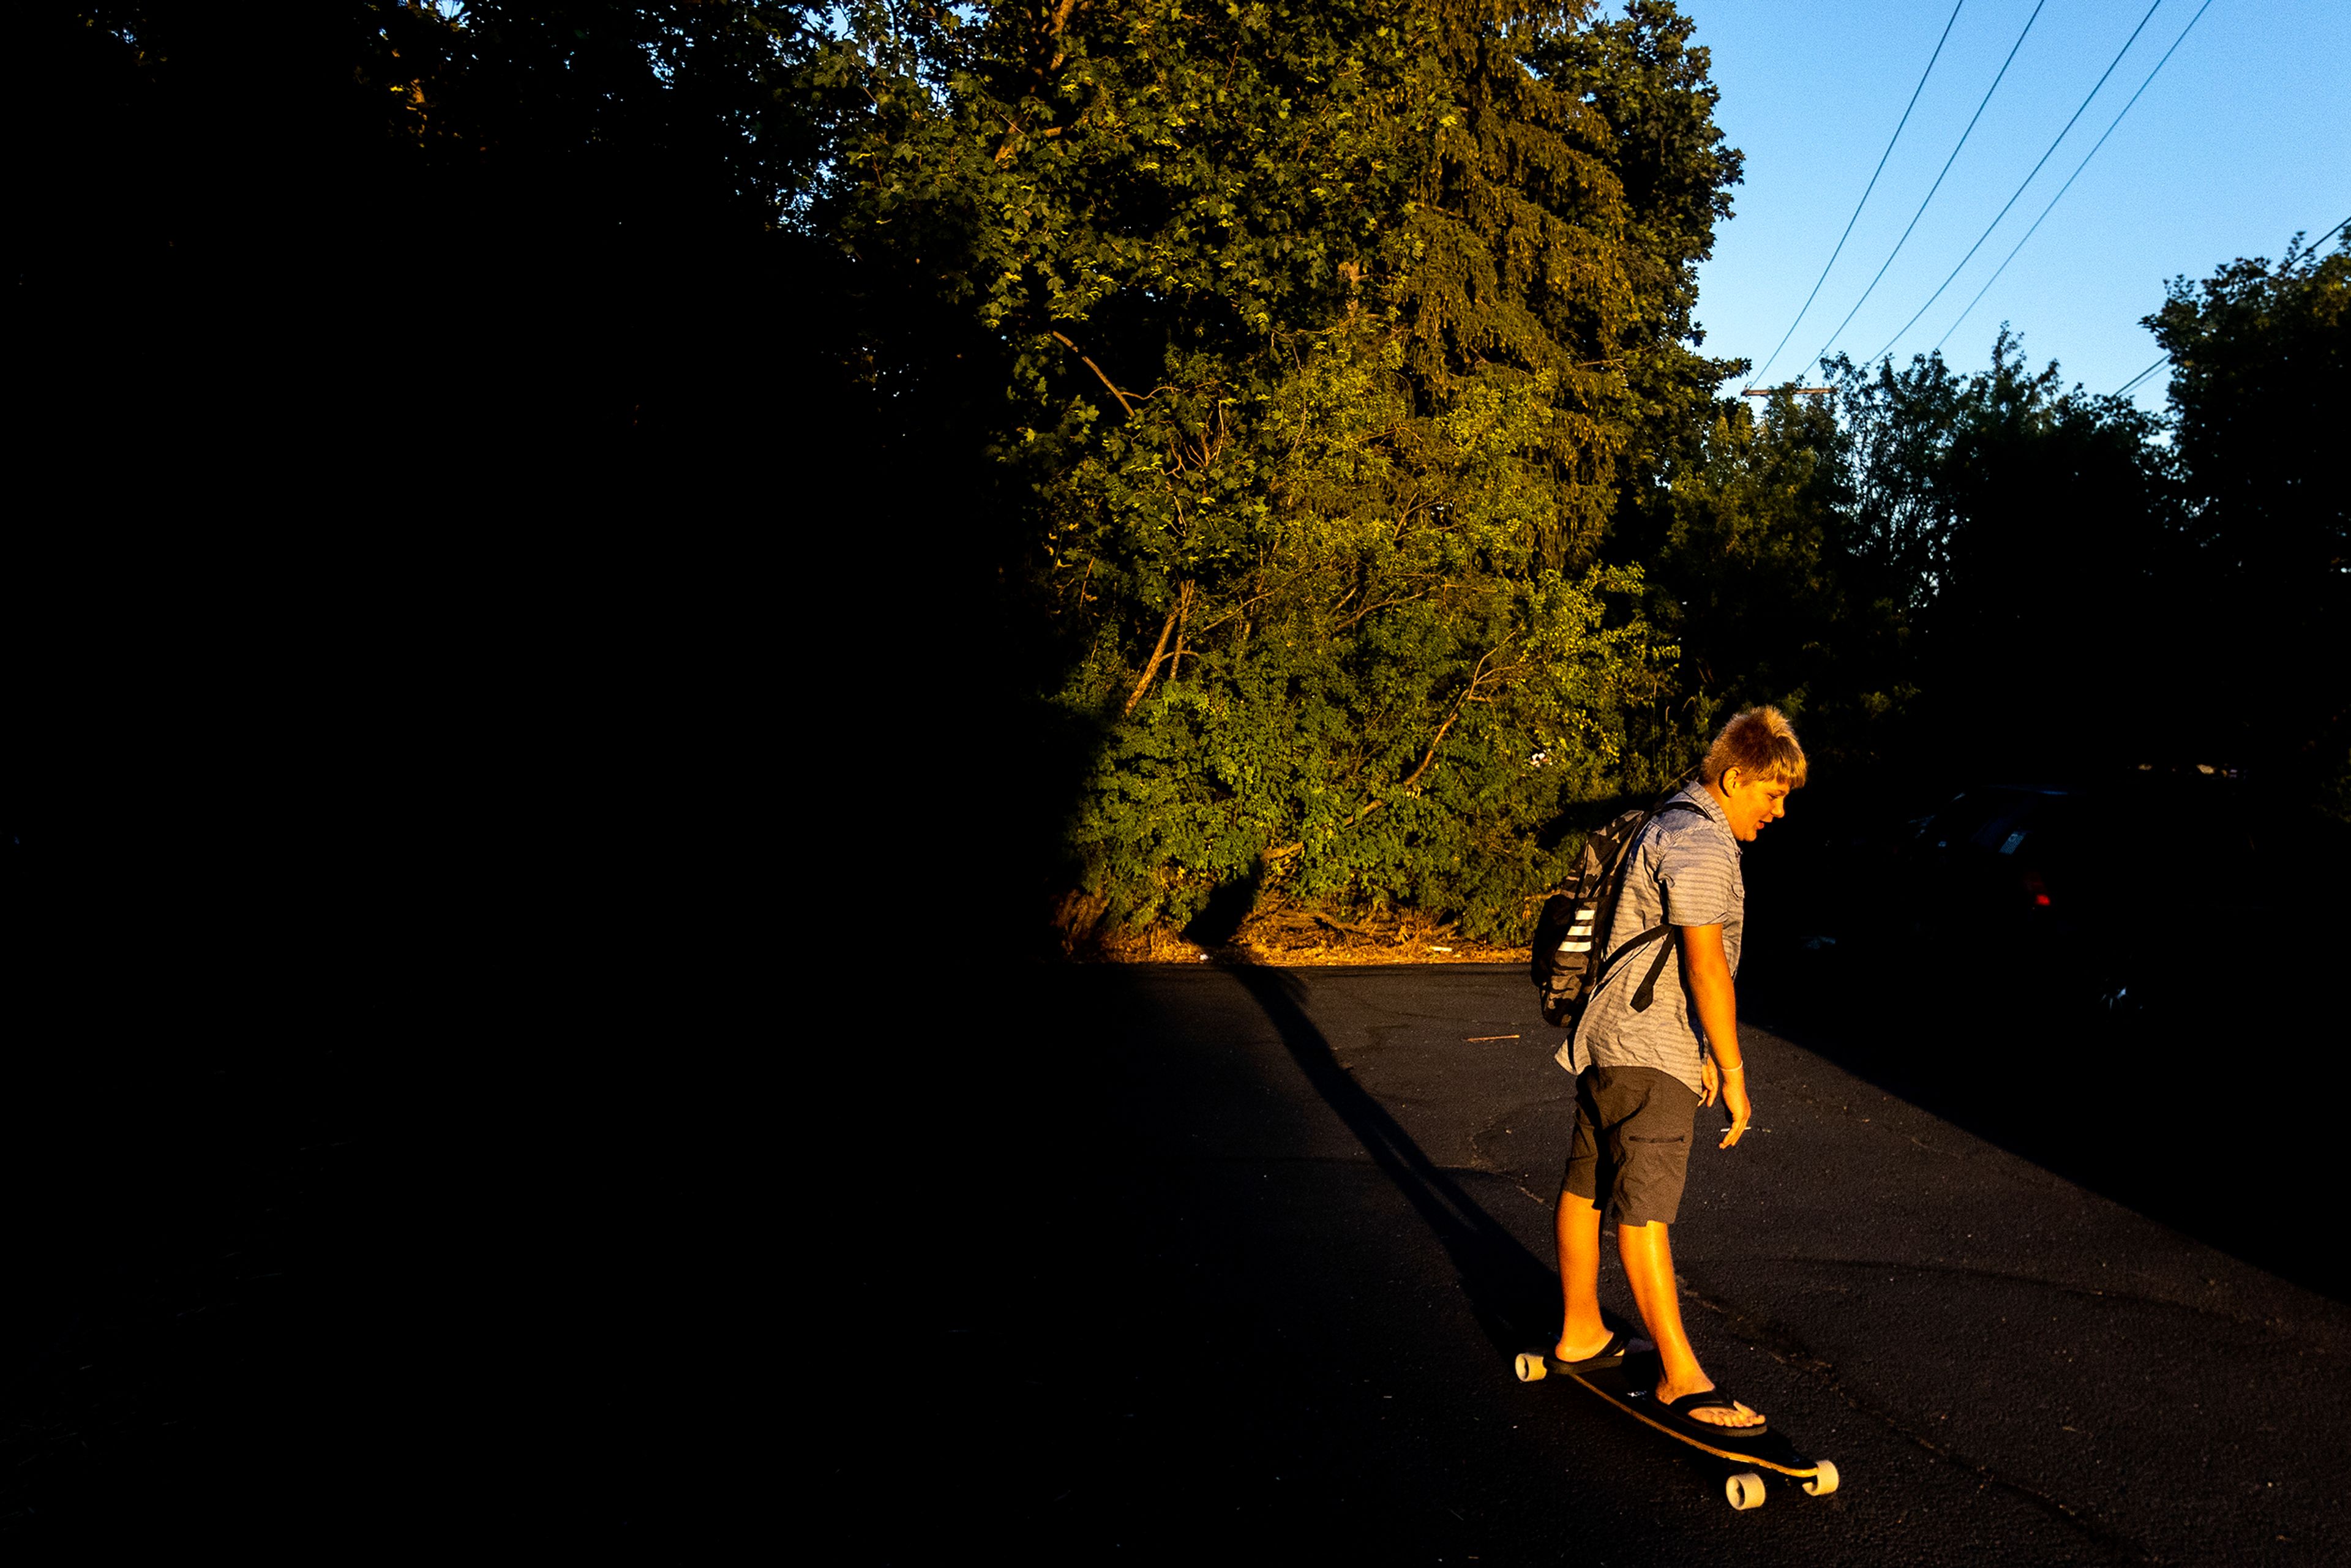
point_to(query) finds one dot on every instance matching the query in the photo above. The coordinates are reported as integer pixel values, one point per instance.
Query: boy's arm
(1707, 969)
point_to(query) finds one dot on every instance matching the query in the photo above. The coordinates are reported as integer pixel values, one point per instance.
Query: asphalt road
(1230, 1262)
(181, 1332)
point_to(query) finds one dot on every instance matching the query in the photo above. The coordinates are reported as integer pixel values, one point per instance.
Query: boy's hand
(1705, 969)
(1734, 1100)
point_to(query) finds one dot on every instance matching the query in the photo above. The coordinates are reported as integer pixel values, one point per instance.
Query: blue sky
(2242, 139)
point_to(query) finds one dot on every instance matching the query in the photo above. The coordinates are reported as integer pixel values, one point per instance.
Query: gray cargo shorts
(1630, 1150)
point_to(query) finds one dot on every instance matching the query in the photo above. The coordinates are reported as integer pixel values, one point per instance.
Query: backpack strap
(1648, 993)
(1633, 944)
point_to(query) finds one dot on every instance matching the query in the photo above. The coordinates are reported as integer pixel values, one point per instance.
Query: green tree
(1744, 564)
(2010, 532)
(1324, 330)
(2258, 352)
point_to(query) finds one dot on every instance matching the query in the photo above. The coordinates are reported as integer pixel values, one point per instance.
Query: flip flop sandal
(1676, 1416)
(1610, 1354)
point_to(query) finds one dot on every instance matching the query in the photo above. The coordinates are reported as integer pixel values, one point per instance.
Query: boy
(1642, 1072)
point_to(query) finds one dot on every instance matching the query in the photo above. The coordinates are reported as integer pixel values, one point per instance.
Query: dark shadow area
(315, 1239)
(1516, 1297)
(424, 517)
(193, 1345)
(1227, 909)
(2089, 974)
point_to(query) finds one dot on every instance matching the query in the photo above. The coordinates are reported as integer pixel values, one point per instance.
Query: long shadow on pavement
(1515, 1297)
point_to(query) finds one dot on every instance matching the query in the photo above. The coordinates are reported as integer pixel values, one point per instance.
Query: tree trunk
(1159, 654)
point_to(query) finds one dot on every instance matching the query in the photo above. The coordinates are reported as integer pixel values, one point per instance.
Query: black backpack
(1569, 961)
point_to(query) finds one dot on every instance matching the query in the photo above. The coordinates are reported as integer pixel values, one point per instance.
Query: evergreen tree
(1326, 332)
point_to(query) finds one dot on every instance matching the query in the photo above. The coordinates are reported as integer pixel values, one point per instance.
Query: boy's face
(1751, 802)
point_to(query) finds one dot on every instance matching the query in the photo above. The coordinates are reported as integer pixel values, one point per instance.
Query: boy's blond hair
(1760, 743)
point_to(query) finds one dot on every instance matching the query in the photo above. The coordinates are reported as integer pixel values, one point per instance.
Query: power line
(2142, 375)
(2074, 176)
(2314, 250)
(2117, 60)
(1936, 186)
(1867, 189)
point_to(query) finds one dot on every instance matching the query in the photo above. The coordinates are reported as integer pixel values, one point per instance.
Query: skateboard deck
(1629, 1387)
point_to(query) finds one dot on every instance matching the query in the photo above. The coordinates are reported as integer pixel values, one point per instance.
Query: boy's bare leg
(1648, 1256)
(1578, 1224)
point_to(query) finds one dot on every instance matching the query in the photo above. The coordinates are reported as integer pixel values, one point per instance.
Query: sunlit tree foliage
(1331, 332)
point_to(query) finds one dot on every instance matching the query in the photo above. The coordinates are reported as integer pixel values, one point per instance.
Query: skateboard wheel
(1532, 1368)
(1824, 1482)
(1745, 1490)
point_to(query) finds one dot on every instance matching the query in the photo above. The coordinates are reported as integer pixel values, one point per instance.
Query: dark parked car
(2125, 891)
(2137, 889)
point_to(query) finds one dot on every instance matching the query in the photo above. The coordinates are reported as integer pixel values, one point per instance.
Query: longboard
(1630, 1386)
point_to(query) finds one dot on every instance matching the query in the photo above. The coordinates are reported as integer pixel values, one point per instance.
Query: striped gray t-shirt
(1684, 872)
